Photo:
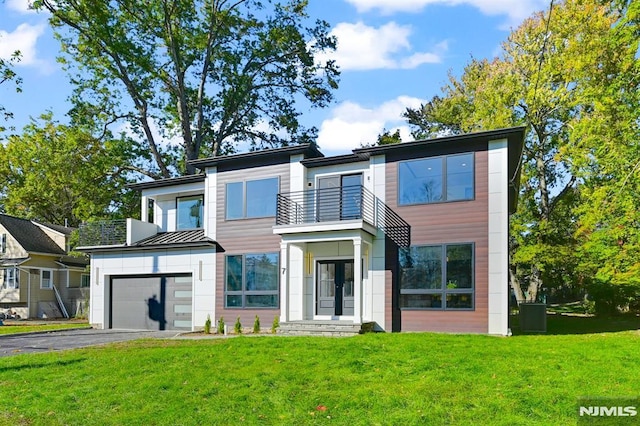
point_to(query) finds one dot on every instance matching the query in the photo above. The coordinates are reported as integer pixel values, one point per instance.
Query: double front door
(334, 288)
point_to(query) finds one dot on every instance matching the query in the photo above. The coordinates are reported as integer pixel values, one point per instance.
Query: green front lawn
(12, 327)
(370, 379)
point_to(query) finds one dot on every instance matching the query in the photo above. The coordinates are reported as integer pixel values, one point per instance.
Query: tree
(542, 81)
(57, 174)
(213, 73)
(7, 74)
(609, 167)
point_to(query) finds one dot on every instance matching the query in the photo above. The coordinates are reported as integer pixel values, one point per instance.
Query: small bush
(221, 325)
(237, 327)
(256, 325)
(275, 325)
(207, 325)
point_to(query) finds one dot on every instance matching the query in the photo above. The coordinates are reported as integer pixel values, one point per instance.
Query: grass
(12, 327)
(365, 380)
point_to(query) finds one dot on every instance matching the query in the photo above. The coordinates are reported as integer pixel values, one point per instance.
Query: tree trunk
(515, 284)
(535, 284)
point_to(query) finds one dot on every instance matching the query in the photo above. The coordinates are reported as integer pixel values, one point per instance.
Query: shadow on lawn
(27, 365)
(558, 324)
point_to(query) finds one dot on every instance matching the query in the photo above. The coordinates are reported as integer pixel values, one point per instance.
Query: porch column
(357, 278)
(284, 282)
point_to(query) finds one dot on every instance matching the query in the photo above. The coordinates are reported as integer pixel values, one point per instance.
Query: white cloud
(21, 6)
(24, 39)
(352, 125)
(515, 10)
(361, 47)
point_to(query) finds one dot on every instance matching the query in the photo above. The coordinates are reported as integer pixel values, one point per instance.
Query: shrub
(207, 325)
(237, 327)
(256, 325)
(275, 325)
(221, 325)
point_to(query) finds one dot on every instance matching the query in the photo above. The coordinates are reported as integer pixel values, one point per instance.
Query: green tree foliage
(548, 80)
(57, 173)
(607, 160)
(214, 73)
(7, 74)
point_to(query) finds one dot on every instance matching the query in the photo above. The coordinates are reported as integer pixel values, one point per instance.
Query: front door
(335, 288)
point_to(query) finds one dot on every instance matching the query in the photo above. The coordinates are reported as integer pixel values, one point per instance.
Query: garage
(151, 302)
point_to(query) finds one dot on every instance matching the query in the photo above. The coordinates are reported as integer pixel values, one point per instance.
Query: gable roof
(66, 230)
(29, 235)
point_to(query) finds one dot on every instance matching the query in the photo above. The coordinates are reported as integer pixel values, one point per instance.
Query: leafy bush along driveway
(369, 379)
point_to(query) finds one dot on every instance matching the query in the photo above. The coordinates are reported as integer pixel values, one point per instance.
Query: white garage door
(158, 302)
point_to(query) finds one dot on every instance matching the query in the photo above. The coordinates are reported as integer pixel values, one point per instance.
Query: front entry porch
(326, 278)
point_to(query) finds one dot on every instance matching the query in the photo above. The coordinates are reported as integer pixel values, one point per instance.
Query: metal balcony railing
(339, 204)
(103, 233)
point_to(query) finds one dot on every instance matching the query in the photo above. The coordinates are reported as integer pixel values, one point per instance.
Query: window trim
(243, 292)
(201, 196)
(244, 198)
(443, 159)
(42, 271)
(444, 291)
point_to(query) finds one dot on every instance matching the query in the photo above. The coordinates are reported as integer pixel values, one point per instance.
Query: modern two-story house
(406, 237)
(38, 279)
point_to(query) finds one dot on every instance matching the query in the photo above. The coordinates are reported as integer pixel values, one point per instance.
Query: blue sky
(393, 54)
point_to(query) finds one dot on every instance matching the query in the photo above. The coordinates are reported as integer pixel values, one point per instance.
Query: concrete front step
(324, 328)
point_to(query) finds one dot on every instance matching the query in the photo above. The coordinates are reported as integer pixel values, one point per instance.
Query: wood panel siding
(245, 236)
(445, 223)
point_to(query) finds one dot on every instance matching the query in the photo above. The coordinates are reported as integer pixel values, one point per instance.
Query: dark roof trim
(185, 245)
(335, 160)
(267, 156)
(167, 182)
(509, 133)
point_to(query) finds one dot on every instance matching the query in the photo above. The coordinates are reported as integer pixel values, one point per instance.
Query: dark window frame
(444, 184)
(243, 292)
(244, 183)
(444, 290)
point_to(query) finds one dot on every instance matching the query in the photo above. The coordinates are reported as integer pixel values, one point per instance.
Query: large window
(432, 180)
(252, 199)
(11, 278)
(437, 277)
(46, 278)
(251, 281)
(190, 212)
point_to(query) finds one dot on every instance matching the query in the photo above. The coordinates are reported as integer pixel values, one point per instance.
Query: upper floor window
(190, 212)
(437, 277)
(437, 179)
(3, 243)
(252, 198)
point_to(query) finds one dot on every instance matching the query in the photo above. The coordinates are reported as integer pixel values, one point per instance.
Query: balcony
(114, 232)
(338, 206)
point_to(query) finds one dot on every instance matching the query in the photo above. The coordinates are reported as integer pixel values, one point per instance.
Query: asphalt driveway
(15, 344)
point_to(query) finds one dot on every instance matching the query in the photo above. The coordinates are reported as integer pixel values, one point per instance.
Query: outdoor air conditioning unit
(533, 317)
